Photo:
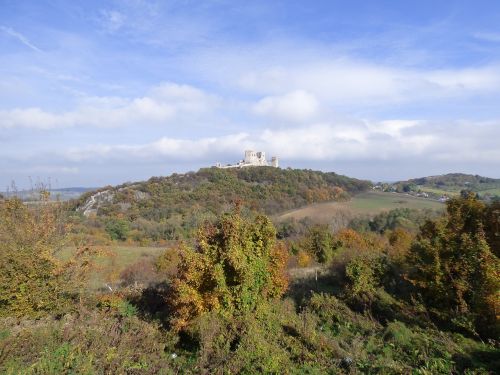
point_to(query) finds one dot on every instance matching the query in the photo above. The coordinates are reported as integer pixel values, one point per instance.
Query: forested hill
(456, 180)
(182, 200)
(453, 183)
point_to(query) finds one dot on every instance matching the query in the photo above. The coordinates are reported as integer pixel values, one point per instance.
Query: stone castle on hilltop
(252, 159)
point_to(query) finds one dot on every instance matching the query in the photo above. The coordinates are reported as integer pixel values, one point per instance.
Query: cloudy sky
(103, 92)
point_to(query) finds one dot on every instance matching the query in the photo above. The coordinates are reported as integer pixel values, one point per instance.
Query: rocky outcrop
(92, 204)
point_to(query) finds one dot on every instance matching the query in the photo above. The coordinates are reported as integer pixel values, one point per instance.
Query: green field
(495, 191)
(440, 191)
(456, 192)
(369, 203)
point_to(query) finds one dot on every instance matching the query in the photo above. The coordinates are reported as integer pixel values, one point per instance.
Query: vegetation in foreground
(388, 301)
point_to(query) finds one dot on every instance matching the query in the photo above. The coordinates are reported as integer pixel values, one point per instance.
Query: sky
(104, 92)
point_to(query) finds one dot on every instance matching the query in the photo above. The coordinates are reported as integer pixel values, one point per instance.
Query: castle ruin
(252, 159)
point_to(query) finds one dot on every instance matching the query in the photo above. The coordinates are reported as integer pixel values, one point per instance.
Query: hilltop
(450, 184)
(264, 188)
(181, 201)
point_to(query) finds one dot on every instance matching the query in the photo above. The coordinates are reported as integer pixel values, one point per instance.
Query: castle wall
(252, 159)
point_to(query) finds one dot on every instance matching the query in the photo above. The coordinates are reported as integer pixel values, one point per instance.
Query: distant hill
(452, 184)
(181, 201)
(62, 194)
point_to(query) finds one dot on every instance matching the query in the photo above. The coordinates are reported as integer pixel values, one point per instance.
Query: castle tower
(261, 158)
(275, 162)
(250, 156)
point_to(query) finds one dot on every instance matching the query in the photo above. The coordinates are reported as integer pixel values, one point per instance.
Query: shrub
(236, 265)
(303, 259)
(320, 243)
(361, 276)
(33, 280)
(117, 229)
(141, 273)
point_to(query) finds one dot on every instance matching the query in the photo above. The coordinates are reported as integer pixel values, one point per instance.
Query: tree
(117, 229)
(454, 269)
(320, 243)
(33, 280)
(492, 226)
(235, 266)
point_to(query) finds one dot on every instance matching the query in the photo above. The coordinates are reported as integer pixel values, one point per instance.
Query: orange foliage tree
(236, 265)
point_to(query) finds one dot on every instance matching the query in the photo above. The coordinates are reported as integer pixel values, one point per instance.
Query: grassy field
(440, 191)
(121, 256)
(454, 193)
(495, 191)
(370, 203)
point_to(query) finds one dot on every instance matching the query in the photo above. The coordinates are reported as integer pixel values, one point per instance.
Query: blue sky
(103, 92)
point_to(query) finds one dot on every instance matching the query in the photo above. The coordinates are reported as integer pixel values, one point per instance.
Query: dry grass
(110, 267)
(370, 203)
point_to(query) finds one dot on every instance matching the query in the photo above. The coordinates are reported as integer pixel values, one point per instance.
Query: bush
(33, 280)
(455, 272)
(141, 274)
(361, 276)
(236, 265)
(117, 229)
(319, 242)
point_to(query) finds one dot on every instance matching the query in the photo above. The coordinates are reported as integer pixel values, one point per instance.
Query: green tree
(453, 267)
(320, 242)
(235, 266)
(117, 229)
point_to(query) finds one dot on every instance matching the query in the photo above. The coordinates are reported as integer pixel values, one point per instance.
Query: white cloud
(392, 127)
(20, 37)
(163, 104)
(297, 105)
(338, 79)
(456, 81)
(349, 82)
(165, 147)
(53, 169)
(360, 140)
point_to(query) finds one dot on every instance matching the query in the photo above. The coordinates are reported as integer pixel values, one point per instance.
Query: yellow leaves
(235, 265)
(303, 259)
(33, 279)
(400, 241)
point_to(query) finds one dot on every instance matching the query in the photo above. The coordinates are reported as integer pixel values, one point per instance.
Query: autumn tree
(33, 279)
(235, 266)
(454, 269)
(492, 226)
(319, 241)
